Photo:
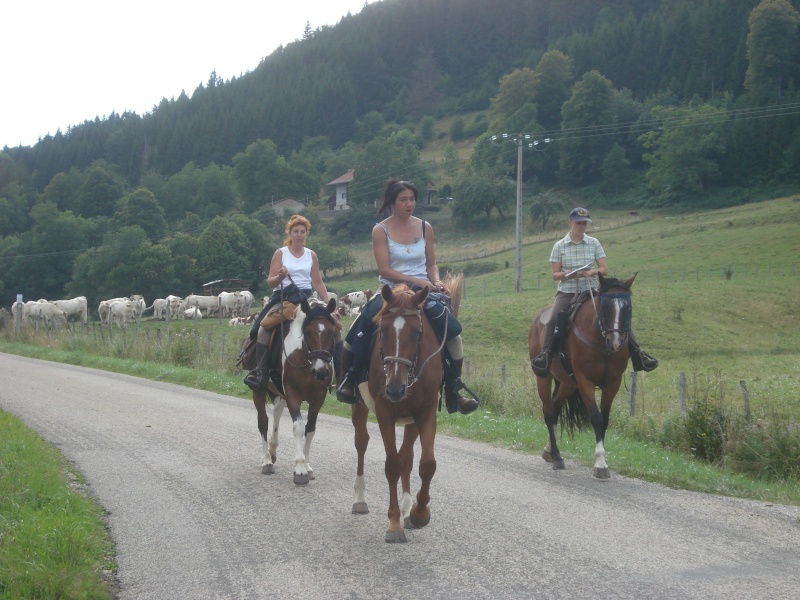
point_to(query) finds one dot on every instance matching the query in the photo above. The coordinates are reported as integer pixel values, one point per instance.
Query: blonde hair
(293, 221)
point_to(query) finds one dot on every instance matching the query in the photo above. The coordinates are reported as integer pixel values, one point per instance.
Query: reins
(414, 377)
(309, 354)
(603, 331)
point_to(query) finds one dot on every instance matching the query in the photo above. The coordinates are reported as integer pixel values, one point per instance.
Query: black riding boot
(338, 348)
(346, 392)
(452, 385)
(257, 379)
(640, 359)
(541, 364)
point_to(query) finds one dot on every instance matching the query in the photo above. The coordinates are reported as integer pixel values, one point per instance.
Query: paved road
(192, 517)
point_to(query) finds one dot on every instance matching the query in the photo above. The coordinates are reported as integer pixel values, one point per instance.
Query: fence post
(746, 398)
(208, 346)
(502, 377)
(682, 392)
(632, 395)
(222, 349)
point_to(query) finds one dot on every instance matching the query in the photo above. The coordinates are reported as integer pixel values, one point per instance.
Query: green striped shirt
(573, 256)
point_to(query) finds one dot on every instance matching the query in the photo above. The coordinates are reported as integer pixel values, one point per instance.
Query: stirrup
(341, 396)
(256, 380)
(538, 368)
(457, 407)
(647, 362)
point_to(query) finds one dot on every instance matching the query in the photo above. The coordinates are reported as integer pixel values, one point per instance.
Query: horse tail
(454, 282)
(576, 416)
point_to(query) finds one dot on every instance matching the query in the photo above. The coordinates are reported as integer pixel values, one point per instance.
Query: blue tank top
(408, 259)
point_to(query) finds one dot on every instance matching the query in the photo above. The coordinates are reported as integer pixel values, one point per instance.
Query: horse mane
(399, 292)
(454, 283)
(318, 310)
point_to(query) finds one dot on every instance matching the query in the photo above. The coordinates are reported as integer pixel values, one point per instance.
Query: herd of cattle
(235, 306)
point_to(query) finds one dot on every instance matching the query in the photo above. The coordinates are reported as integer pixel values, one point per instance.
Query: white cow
(247, 302)
(139, 306)
(208, 303)
(193, 312)
(175, 303)
(102, 309)
(46, 312)
(121, 312)
(159, 306)
(230, 303)
(74, 307)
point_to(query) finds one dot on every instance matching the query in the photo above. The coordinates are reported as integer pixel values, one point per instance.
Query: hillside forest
(668, 104)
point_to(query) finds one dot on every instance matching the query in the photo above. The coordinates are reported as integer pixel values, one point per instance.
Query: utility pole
(519, 141)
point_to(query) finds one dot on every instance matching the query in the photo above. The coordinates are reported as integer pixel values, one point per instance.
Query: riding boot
(257, 379)
(640, 359)
(452, 385)
(338, 348)
(346, 392)
(554, 330)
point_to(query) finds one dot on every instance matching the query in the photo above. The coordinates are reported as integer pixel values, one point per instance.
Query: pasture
(715, 300)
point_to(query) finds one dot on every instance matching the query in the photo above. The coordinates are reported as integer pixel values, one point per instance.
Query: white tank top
(299, 268)
(408, 259)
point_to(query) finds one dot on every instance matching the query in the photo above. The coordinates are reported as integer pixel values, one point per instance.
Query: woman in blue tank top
(403, 247)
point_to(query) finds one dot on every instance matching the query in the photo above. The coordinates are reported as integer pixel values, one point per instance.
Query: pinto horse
(405, 376)
(306, 368)
(594, 353)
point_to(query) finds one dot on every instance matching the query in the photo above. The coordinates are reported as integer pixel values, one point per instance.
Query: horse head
(399, 337)
(615, 311)
(318, 330)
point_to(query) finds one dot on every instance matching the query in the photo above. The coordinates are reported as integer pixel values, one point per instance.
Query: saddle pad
(363, 388)
(276, 315)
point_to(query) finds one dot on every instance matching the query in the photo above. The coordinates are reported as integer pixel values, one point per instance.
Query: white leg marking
(405, 505)
(277, 411)
(307, 451)
(299, 428)
(358, 489)
(600, 456)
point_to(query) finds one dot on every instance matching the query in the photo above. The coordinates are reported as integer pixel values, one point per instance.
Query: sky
(68, 62)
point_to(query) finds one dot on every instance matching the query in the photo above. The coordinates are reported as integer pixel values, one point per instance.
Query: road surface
(192, 517)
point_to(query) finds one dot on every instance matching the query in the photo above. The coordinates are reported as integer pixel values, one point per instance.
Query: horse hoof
(360, 508)
(301, 479)
(547, 456)
(268, 470)
(411, 523)
(395, 537)
(602, 473)
(558, 465)
(311, 476)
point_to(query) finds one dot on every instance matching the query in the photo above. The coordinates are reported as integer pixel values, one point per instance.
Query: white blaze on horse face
(399, 323)
(616, 325)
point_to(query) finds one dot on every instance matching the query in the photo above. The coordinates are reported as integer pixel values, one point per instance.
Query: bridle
(310, 355)
(411, 377)
(600, 323)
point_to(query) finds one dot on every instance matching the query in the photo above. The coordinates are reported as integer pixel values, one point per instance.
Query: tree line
(680, 97)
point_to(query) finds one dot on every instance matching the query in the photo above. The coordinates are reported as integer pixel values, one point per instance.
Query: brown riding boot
(456, 402)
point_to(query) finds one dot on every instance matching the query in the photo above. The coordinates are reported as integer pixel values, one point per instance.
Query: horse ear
(331, 305)
(386, 293)
(629, 282)
(304, 305)
(421, 296)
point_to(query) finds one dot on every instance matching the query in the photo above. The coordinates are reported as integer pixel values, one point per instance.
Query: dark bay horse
(405, 377)
(306, 367)
(594, 353)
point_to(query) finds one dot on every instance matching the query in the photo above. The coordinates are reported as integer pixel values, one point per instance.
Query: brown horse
(306, 368)
(594, 353)
(405, 377)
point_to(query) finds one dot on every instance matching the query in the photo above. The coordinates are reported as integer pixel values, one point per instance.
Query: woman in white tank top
(403, 247)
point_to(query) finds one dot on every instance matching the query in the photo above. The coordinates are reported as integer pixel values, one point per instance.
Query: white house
(338, 200)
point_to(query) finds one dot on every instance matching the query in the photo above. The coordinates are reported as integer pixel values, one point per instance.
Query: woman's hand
(439, 286)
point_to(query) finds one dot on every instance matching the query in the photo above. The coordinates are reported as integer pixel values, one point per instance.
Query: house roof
(346, 178)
